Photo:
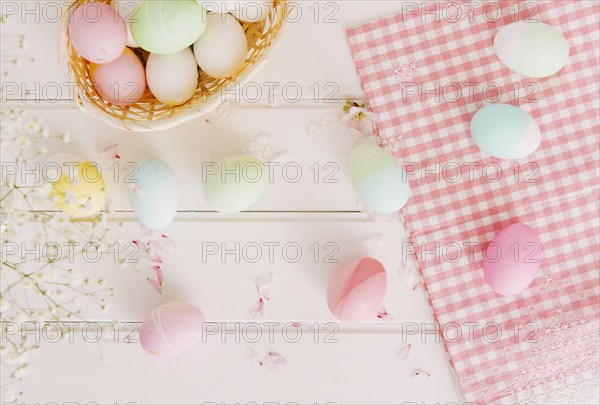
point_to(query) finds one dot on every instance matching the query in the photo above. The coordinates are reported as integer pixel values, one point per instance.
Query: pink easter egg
(122, 81)
(512, 259)
(97, 32)
(171, 329)
(356, 290)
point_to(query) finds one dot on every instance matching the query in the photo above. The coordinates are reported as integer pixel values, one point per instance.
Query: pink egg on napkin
(357, 289)
(171, 329)
(512, 259)
(97, 32)
(121, 82)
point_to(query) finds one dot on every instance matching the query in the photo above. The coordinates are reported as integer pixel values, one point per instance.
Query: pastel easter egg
(127, 9)
(97, 32)
(357, 289)
(505, 131)
(168, 26)
(172, 79)
(252, 10)
(217, 6)
(153, 193)
(171, 329)
(222, 50)
(122, 81)
(532, 49)
(80, 191)
(378, 178)
(512, 259)
(235, 184)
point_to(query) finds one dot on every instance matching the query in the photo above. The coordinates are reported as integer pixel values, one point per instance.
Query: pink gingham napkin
(425, 72)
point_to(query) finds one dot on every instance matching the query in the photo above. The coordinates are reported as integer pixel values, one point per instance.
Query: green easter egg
(168, 26)
(234, 184)
(378, 178)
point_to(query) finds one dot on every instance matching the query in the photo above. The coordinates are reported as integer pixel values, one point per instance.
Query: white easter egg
(252, 10)
(126, 9)
(532, 49)
(153, 193)
(223, 47)
(233, 185)
(217, 6)
(173, 78)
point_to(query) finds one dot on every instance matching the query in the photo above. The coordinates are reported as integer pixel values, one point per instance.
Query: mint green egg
(505, 131)
(379, 179)
(168, 26)
(153, 193)
(234, 184)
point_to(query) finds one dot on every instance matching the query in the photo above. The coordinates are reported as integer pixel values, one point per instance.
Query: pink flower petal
(155, 244)
(141, 245)
(264, 285)
(273, 361)
(170, 244)
(159, 274)
(404, 352)
(110, 153)
(384, 315)
(258, 309)
(155, 284)
(252, 355)
(135, 188)
(155, 258)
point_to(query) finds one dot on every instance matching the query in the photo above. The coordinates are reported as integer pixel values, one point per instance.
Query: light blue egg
(153, 193)
(379, 179)
(505, 131)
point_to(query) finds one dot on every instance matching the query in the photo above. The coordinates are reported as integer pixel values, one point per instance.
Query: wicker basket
(149, 114)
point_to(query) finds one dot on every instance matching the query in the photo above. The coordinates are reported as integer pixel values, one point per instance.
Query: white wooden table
(311, 63)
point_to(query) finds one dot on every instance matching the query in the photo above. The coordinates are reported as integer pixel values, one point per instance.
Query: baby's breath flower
(21, 372)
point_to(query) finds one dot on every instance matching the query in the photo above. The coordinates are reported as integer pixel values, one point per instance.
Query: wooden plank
(221, 261)
(357, 369)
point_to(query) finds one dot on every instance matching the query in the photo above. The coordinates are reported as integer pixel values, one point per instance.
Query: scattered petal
(404, 352)
(378, 240)
(155, 258)
(264, 285)
(258, 309)
(384, 315)
(135, 188)
(316, 130)
(171, 245)
(141, 245)
(155, 244)
(157, 287)
(420, 375)
(159, 274)
(273, 361)
(252, 355)
(110, 153)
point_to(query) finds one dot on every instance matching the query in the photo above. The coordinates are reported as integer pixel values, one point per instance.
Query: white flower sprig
(45, 286)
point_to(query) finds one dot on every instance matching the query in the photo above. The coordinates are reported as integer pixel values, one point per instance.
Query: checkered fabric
(425, 72)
